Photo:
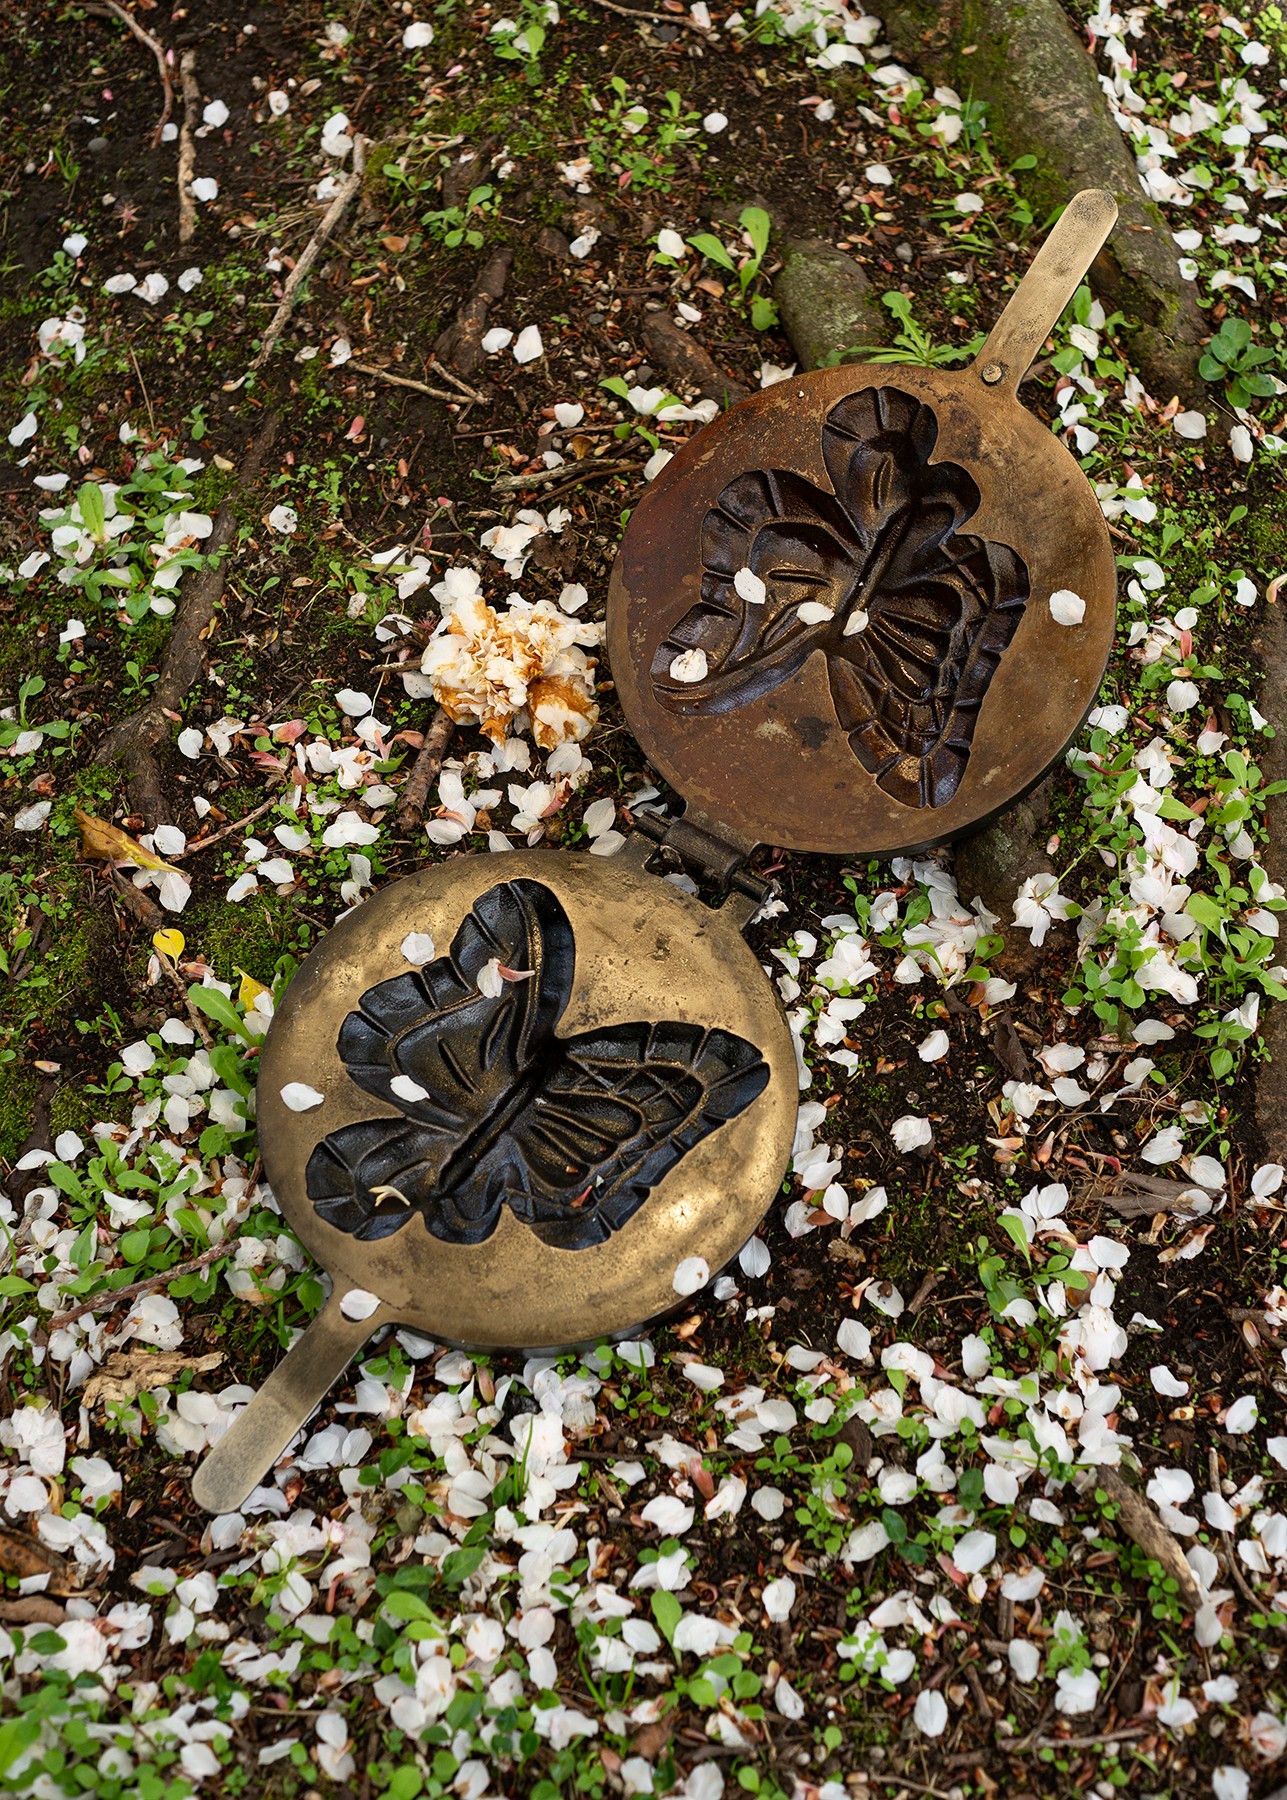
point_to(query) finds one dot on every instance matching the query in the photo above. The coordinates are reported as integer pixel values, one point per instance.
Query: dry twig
(1135, 1195)
(113, 1296)
(1139, 1519)
(188, 144)
(653, 18)
(424, 771)
(312, 250)
(471, 393)
(571, 473)
(405, 381)
(227, 831)
(110, 10)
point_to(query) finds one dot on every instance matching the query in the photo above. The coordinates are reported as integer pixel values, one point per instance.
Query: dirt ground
(967, 1473)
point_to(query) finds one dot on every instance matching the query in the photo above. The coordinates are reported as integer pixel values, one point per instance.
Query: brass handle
(296, 1387)
(1034, 308)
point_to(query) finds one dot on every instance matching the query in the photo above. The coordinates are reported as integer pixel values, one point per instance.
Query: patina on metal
(525, 1167)
(830, 624)
(514, 1140)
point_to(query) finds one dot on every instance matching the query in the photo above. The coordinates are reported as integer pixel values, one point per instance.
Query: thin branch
(652, 18)
(569, 472)
(111, 1297)
(425, 770)
(405, 381)
(227, 831)
(110, 10)
(471, 392)
(334, 213)
(188, 144)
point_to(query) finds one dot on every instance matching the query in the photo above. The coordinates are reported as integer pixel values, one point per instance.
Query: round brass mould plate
(644, 951)
(776, 764)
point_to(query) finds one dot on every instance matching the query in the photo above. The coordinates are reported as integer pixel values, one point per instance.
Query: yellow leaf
(250, 989)
(169, 943)
(103, 842)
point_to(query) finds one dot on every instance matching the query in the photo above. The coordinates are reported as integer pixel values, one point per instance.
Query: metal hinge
(707, 857)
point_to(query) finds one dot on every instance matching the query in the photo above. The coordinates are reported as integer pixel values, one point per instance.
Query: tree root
(825, 301)
(135, 739)
(460, 346)
(686, 361)
(1045, 101)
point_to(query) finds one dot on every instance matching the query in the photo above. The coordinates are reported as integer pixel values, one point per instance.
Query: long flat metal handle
(296, 1387)
(1033, 309)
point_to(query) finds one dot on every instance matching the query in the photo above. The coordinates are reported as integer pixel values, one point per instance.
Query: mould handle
(296, 1387)
(1034, 308)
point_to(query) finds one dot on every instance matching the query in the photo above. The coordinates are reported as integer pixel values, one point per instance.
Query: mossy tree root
(1044, 100)
(135, 740)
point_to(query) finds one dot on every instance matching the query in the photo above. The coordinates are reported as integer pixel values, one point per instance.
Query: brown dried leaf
(129, 1373)
(31, 1609)
(24, 1556)
(103, 842)
(1140, 1521)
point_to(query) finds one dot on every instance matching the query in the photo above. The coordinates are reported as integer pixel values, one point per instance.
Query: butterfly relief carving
(497, 1110)
(911, 613)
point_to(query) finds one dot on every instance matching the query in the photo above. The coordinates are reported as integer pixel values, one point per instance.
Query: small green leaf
(756, 224)
(217, 1006)
(403, 1605)
(712, 249)
(666, 1612)
(92, 509)
(1015, 1227)
(134, 1245)
(1204, 909)
(459, 1565)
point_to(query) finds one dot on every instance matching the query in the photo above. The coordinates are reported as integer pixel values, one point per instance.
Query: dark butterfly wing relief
(911, 613)
(571, 1134)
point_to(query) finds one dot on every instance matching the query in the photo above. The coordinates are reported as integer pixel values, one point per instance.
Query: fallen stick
(181, 988)
(309, 255)
(470, 393)
(111, 1297)
(406, 381)
(1135, 1195)
(425, 769)
(135, 739)
(652, 18)
(569, 472)
(188, 144)
(110, 10)
(227, 831)
(1139, 1519)
(1230, 1546)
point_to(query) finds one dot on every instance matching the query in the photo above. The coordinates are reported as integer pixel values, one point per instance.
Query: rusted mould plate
(780, 765)
(643, 952)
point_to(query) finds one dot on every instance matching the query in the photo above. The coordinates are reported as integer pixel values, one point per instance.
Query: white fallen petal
(299, 1097)
(690, 1275)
